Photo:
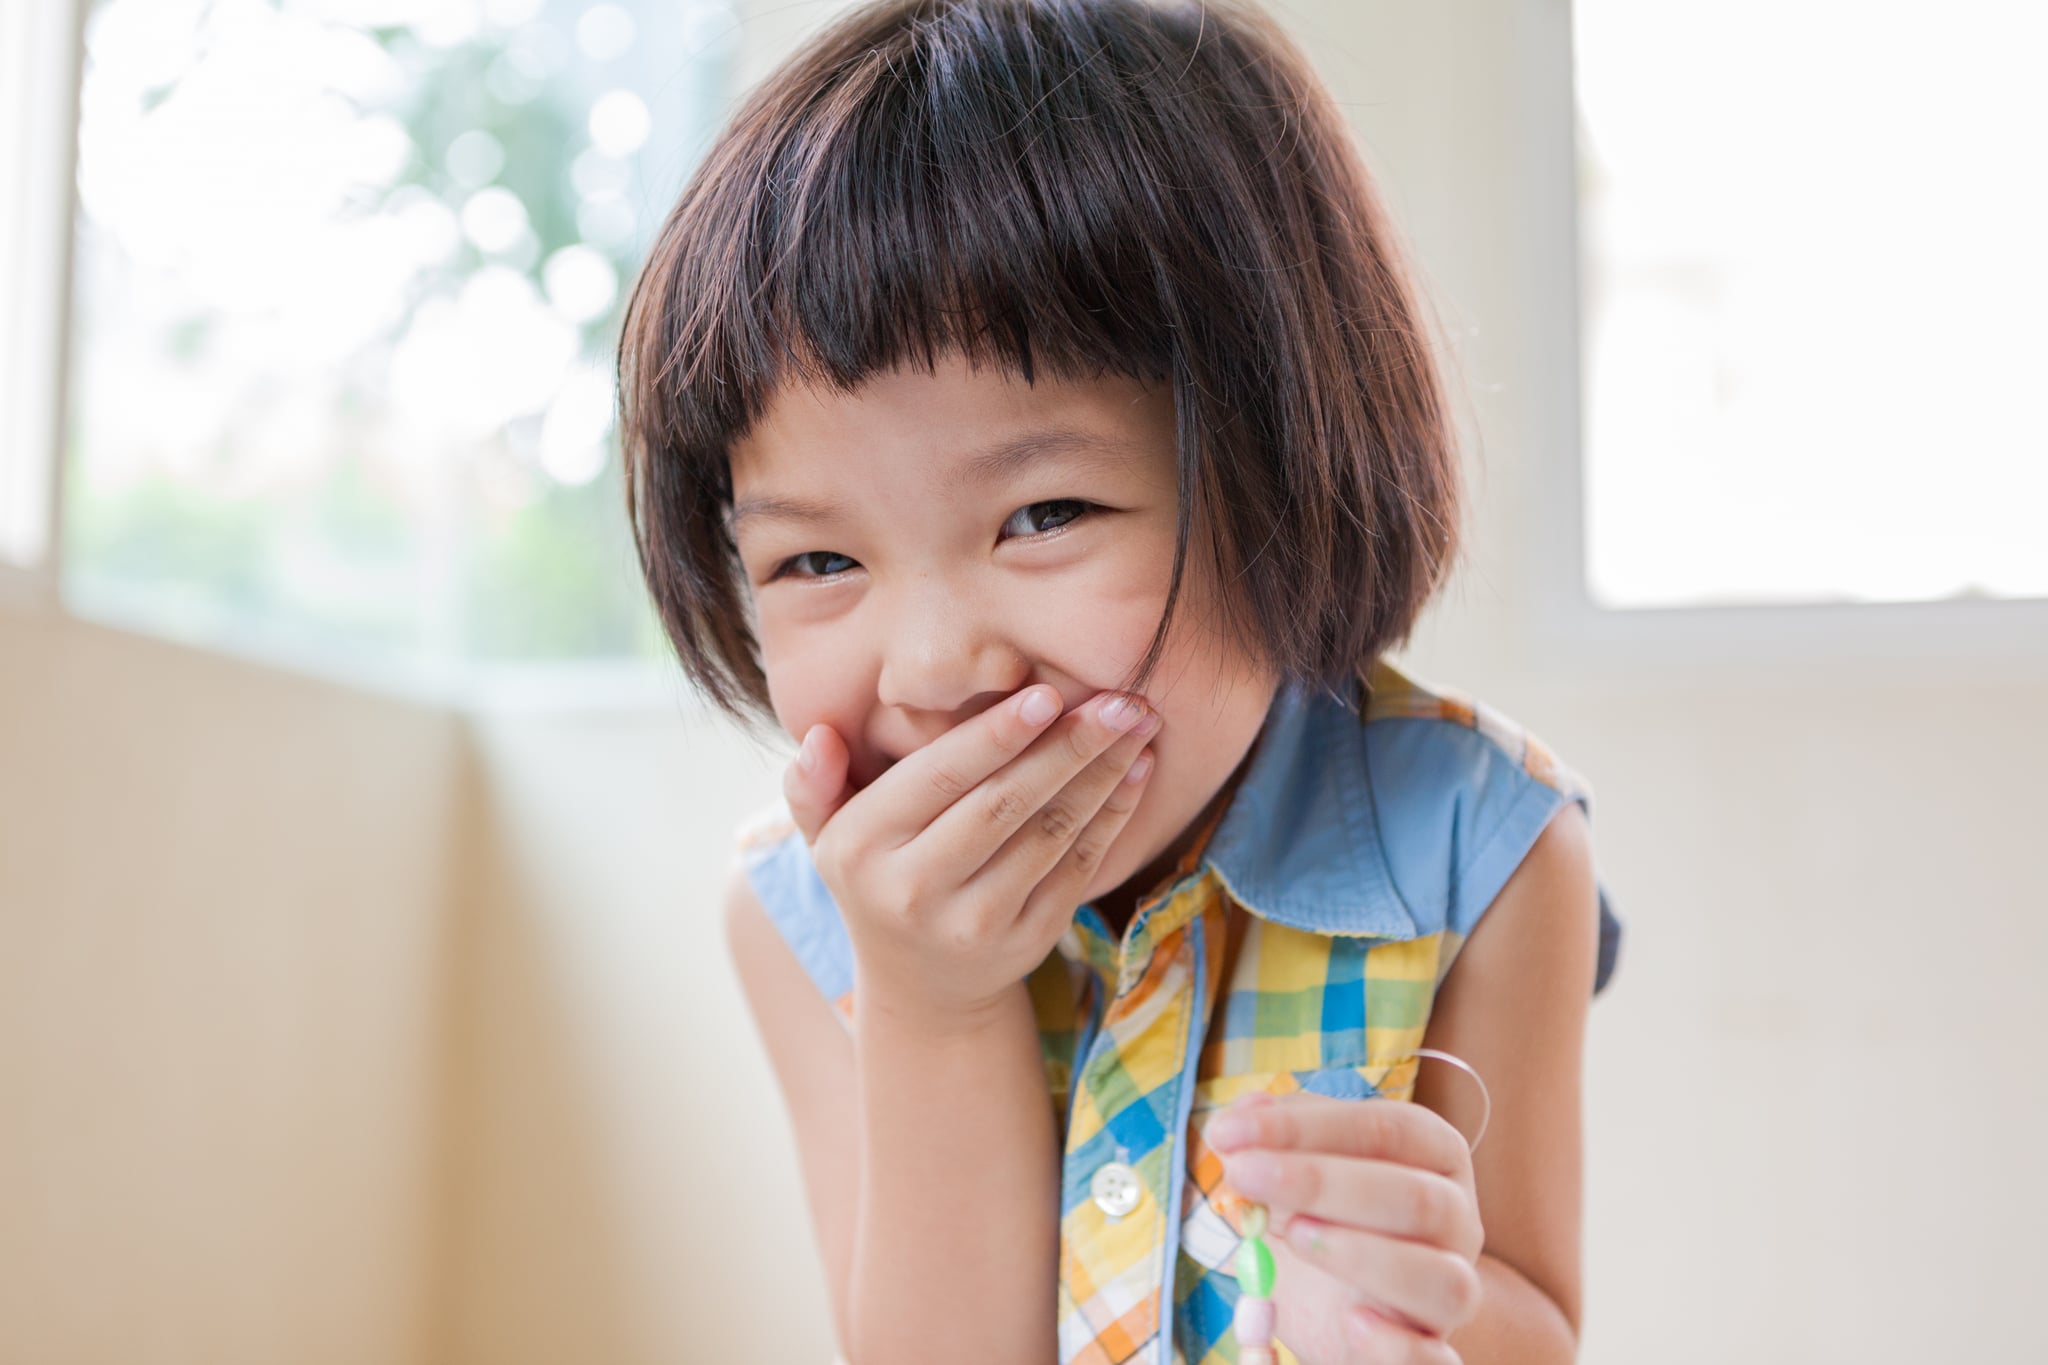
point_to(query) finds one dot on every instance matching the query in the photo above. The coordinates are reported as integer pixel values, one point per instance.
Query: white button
(1117, 1189)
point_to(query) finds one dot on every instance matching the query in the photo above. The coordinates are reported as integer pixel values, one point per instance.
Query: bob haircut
(1159, 189)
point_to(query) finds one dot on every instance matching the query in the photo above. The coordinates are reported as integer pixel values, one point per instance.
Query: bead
(1255, 1268)
(1253, 1322)
(1255, 1220)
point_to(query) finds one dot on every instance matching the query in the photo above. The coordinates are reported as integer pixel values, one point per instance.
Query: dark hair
(1160, 189)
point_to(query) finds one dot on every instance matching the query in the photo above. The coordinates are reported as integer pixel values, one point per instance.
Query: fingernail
(1140, 765)
(807, 756)
(1228, 1130)
(1121, 713)
(1251, 1172)
(1150, 725)
(1304, 1235)
(1041, 704)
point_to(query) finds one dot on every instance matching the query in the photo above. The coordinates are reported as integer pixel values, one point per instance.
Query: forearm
(956, 1238)
(1517, 1323)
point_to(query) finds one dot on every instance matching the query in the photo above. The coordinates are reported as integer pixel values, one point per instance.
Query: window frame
(1998, 637)
(41, 51)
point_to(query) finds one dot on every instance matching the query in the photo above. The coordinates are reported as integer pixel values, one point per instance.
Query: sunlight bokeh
(347, 283)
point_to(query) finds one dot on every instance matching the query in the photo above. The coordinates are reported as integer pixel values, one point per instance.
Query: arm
(955, 872)
(932, 1207)
(813, 1061)
(1515, 1005)
(958, 1242)
(1387, 1221)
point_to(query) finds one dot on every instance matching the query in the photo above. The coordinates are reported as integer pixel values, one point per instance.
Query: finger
(1378, 1340)
(1030, 855)
(1113, 784)
(814, 783)
(1028, 799)
(1394, 1130)
(1378, 1196)
(1434, 1290)
(930, 781)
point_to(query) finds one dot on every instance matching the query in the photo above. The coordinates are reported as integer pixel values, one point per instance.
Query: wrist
(878, 1012)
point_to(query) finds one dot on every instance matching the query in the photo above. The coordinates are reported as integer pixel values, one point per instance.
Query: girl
(1027, 408)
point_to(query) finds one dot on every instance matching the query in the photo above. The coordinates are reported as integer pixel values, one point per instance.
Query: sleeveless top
(1298, 946)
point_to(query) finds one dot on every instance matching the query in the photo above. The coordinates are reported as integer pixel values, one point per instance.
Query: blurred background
(362, 997)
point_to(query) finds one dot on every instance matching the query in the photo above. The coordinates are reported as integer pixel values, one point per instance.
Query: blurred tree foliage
(546, 575)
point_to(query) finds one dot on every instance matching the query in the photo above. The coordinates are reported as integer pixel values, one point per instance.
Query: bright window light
(1815, 300)
(349, 276)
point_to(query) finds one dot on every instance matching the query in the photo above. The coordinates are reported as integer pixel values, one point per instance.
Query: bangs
(973, 178)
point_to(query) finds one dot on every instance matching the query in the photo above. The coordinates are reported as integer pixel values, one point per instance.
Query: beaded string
(1253, 1320)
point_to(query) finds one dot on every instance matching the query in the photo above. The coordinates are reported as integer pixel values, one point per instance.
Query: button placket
(1115, 1192)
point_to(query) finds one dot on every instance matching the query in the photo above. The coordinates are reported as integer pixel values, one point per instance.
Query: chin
(1122, 862)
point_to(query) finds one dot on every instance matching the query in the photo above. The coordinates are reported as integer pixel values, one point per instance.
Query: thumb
(814, 783)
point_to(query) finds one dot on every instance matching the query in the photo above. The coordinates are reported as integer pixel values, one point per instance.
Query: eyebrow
(992, 464)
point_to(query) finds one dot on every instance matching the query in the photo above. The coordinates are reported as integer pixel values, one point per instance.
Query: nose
(944, 652)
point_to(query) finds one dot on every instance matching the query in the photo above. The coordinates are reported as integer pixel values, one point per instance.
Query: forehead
(967, 427)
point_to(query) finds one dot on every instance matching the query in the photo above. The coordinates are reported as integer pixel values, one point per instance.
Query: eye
(1065, 512)
(793, 566)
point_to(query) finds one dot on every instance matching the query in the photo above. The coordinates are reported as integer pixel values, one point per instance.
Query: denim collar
(1299, 843)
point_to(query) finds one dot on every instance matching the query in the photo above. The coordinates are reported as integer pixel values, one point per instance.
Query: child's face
(924, 592)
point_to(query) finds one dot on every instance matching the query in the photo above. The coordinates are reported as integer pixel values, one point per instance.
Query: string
(1486, 1096)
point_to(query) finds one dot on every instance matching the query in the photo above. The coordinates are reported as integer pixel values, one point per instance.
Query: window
(348, 275)
(1813, 301)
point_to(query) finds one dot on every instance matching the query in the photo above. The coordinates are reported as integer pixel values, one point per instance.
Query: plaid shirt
(1298, 946)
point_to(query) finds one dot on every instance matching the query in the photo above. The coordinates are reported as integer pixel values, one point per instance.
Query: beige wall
(223, 968)
(624, 1181)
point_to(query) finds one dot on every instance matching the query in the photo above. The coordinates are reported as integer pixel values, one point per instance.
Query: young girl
(1026, 407)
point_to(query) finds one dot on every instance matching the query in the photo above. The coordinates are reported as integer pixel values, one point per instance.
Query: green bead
(1255, 1268)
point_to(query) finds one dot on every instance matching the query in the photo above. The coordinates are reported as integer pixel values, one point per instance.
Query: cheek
(1096, 627)
(1107, 646)
(1197, 661)
(808, 683)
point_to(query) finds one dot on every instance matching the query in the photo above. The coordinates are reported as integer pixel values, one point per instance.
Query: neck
(1119, 905)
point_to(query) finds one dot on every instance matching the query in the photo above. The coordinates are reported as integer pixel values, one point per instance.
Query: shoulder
(1441, 716)
(769, 973)
(1460, 793)
(1397, 814)
(773, 883)
(794, 1019)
